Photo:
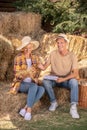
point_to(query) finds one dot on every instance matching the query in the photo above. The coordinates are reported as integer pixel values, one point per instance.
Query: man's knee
(73, 82)
(46, 82)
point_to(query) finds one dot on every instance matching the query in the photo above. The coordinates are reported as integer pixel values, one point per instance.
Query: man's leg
(72, 84)
(48, 85)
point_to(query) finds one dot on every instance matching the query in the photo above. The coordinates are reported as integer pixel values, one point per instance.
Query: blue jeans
(34, 92)
(71, 84)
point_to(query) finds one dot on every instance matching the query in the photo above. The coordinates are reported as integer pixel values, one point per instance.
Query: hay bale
(77, 44)
(20, 23)
(5, 56)
(62, 96)
(47, 44)
(11, 104)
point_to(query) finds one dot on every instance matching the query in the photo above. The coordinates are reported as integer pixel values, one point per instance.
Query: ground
(42, 119)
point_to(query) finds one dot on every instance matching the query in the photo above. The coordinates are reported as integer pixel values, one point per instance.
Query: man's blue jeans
(71, 84)
(34, 92)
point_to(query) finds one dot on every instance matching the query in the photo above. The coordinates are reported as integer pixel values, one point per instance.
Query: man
(64, 65)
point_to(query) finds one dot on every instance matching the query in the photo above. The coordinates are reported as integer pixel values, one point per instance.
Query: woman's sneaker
(27, 116)
(53, 106)
(22, 112)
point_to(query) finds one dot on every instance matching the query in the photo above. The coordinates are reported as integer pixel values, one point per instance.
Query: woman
(26, 74)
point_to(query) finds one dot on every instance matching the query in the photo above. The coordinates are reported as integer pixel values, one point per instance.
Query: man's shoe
(27, 116)
(53, 106)
(22, 112)
(74, 113)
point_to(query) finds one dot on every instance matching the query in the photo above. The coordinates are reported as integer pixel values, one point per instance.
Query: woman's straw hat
(27, 40)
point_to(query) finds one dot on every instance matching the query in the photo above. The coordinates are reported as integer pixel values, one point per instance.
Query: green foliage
(64, 15)
(82, 6)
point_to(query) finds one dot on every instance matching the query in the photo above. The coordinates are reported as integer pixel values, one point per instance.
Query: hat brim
(35, 45)
(22, 46)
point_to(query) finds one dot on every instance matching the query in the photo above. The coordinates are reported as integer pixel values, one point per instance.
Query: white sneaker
(27, 116)
(74, 113)
(22, 112)
(53, 106)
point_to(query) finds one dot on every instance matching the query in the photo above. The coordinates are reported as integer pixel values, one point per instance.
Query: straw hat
(27, 40)
(63, 36)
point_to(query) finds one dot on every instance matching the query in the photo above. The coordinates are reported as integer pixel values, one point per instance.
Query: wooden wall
(7, 5)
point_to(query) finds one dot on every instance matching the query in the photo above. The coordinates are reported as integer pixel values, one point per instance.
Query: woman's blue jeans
(71, 84)
(34, 92)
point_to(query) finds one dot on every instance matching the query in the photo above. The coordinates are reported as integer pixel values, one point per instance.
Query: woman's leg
(39, 94)
(34, 92)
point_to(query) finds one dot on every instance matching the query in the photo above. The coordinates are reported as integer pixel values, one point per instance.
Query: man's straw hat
(27, 40)
(63, 36)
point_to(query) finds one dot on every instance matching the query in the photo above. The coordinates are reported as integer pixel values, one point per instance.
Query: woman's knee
(42, 90)
(33, 87)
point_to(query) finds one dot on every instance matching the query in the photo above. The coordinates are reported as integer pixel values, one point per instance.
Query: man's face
(62, 44)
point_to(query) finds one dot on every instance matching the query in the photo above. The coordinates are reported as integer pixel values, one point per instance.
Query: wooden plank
(8, 5)
(7, 9)
(8, 1)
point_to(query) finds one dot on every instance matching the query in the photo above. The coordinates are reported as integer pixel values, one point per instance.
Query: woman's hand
(36, 80)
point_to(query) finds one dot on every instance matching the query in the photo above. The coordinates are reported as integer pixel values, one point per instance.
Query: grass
(45, 120)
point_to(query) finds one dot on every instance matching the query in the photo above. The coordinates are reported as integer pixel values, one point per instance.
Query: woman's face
(28, 48)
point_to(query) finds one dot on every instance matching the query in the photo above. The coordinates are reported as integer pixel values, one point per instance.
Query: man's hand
(60, 80)
(40, 66)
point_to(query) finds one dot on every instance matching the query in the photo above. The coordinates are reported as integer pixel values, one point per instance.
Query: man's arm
(43, 66)
(73, 74)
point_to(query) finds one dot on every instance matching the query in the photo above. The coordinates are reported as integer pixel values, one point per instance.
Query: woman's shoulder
(18, 56)
(35, 56)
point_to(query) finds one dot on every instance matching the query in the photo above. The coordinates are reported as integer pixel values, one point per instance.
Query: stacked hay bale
(11, 104)
(20, 23)
(14, 26)
(6, 50)
(47, 44)
(77, 44)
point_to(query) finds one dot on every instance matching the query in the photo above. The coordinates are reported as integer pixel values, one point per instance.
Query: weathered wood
(8, 1)
(12, 9)
(7, 5)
